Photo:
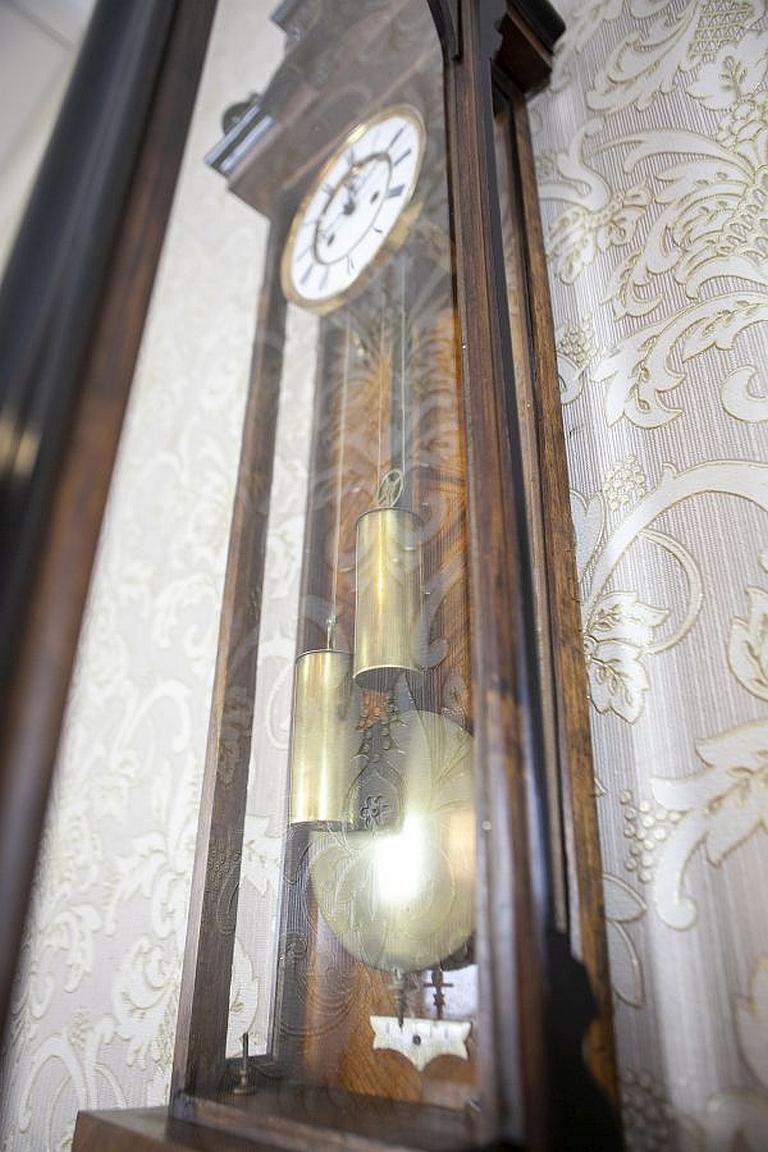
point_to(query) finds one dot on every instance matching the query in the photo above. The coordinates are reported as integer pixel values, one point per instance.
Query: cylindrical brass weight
(388, 605)
(324, 738)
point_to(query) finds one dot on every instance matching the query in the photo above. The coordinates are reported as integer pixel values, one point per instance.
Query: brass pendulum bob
(323, 738)
(388, 603)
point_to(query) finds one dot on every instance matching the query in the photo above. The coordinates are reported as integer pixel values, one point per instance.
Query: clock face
(353, 209)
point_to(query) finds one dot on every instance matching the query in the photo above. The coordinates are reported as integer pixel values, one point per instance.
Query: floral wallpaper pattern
(652, 152)
(652, 159)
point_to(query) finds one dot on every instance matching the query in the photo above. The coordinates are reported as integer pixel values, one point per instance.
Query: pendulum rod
(380, 381)
(333, 618)
(403, 410)
(393, 485)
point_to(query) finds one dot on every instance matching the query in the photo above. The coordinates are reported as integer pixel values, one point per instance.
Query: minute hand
(371, 165)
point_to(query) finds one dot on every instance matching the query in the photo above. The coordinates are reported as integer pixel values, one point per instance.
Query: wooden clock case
(547, 1069)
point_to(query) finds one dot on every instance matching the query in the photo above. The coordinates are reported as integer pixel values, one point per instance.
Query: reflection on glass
(356, 907)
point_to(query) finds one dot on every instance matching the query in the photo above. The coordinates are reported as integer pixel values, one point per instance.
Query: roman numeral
(397, 136)
(401, 158)
(396, 191)
(305, 276)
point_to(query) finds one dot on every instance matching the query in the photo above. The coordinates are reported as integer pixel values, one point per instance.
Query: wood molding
(202, 1020)
(151, 1130)
(508, 732)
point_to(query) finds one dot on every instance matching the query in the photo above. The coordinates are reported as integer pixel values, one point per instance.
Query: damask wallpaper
(652, 151)
(652, 159)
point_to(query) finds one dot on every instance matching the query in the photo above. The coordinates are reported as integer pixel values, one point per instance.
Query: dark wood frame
(72, 311)
(532, 728)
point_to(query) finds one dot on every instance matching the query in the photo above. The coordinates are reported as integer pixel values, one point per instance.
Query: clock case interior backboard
(393, 332)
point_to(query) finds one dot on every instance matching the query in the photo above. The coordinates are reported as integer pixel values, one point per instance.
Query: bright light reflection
(399, 863)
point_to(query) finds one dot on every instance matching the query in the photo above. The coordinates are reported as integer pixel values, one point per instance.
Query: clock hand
(330, 227)
(366, 178)
(352, 195)
(346, 210)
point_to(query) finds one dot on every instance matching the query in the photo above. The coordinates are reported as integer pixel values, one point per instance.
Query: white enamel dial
(353, 208)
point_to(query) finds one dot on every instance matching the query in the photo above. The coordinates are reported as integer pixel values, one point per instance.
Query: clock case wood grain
(548, 1072)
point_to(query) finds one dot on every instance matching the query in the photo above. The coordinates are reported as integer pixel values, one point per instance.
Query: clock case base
(155, 1130)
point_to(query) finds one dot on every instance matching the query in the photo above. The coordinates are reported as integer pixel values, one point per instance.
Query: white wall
(39, 40)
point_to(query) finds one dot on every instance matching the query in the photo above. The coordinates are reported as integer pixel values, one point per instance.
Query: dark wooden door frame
(72, 309)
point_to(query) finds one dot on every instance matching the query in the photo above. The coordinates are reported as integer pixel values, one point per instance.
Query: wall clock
(424, 933)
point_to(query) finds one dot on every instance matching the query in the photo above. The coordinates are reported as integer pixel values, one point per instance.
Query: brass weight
(388, 604)
(324, 738)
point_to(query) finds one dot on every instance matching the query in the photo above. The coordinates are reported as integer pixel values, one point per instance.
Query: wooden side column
(204, 1003)
(530, 698)
(516, 896)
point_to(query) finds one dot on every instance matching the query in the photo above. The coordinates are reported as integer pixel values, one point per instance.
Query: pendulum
(389, 594)
(324, 731)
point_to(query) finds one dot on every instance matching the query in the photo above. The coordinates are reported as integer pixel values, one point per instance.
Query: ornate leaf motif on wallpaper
(623, 906)
(59, 942)
(739, 1120)
(727, 802)
(620, 629)
(589, 525)
(675, 318)
(748, 644)
(144, 1000)
(186, 613)
(145, 989)
(577, 350)
(714, 210)
(733, 73)
(596, 217)
(641, 372)
(723, 805)
(69, 1071)
(617, 633)
(745, 396)
(650, 58)
(159, 864)
(712, 223)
